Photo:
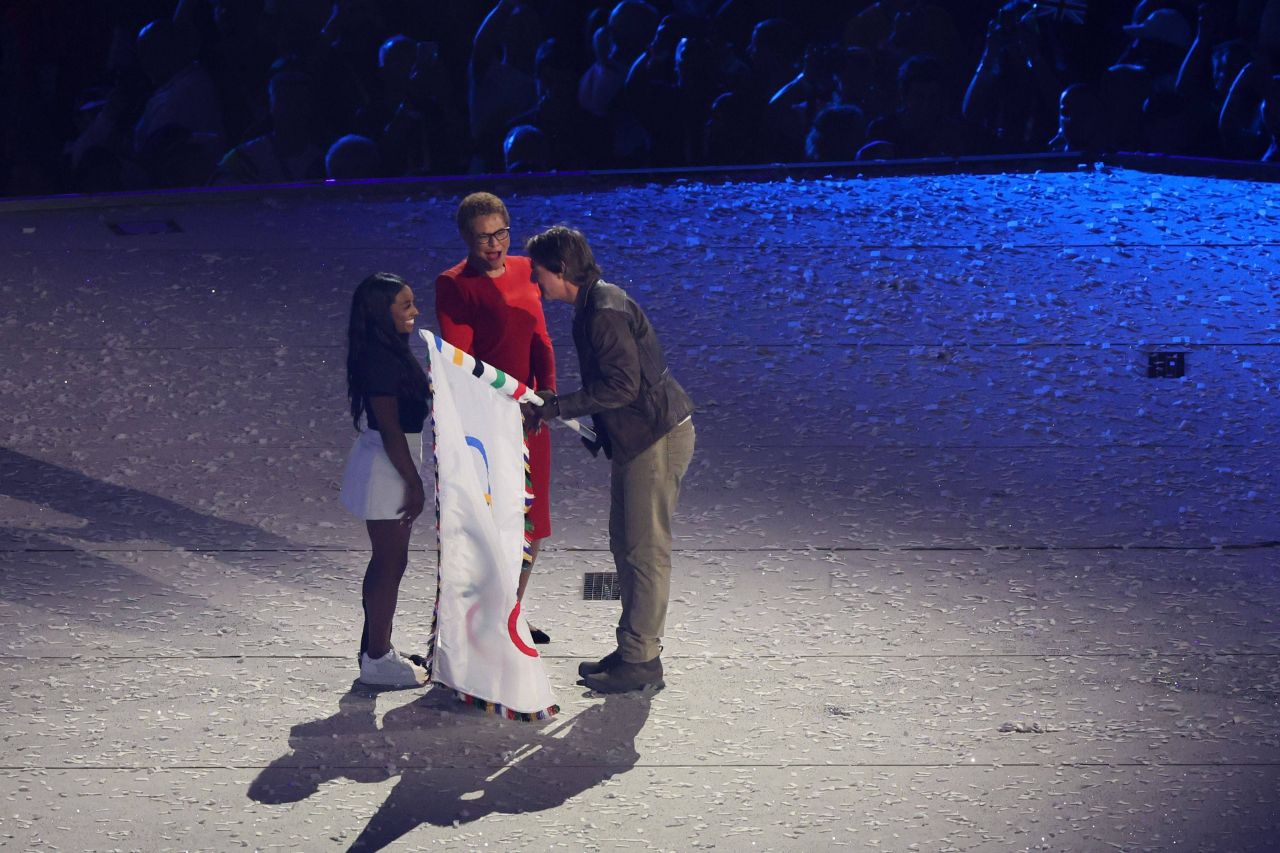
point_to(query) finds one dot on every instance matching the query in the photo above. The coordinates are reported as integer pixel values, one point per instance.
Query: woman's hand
(415, 498)
(529, 414)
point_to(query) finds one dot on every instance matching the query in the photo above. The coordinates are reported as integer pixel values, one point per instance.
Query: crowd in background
(104, 95)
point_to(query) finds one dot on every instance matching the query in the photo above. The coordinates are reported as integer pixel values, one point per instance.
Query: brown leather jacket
(627, 389)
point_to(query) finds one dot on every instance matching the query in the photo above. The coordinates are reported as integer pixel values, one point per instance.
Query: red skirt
(540, 473)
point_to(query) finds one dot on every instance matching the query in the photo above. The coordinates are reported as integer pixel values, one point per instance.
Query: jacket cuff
(574, 405)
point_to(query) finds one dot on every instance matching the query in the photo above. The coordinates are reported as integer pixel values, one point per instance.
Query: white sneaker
(391, 670)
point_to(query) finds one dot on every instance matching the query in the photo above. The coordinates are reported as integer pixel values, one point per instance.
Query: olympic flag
(480, 645)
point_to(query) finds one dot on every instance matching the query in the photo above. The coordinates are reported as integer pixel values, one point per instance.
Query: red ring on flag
(512, 621)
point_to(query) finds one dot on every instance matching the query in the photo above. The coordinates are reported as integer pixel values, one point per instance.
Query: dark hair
(837, 133)
(370, 326)
(479, 204)
(565, 252)
(921, 68)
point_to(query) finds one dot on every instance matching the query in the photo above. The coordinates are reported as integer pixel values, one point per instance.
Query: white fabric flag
(481, 645)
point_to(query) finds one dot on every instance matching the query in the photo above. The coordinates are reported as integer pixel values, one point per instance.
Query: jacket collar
(580, 301)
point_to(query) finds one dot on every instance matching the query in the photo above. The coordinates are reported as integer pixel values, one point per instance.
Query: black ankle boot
(609, 661)
(626, 677)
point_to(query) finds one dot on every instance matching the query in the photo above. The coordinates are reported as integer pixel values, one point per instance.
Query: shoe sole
(651, 687)
(392, 685)
(376, 686)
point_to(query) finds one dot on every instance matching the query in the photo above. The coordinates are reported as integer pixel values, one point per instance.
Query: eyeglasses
(496, 238)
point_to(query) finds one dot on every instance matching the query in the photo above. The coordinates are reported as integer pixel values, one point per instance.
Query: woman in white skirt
(389, 397)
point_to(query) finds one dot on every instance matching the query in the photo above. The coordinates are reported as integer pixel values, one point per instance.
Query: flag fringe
(504, 711)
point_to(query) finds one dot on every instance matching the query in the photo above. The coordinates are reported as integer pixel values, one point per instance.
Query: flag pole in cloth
(480, 644)
(504, 382)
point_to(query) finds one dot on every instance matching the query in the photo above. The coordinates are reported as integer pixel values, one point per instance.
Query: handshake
(537, 413)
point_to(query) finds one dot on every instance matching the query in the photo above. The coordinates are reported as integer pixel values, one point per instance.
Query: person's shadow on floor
(88, 515)
(456, 764)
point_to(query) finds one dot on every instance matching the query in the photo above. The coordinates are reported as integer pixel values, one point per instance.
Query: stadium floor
(953, 571)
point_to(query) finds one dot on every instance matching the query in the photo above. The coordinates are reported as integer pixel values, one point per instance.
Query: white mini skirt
(372, 488)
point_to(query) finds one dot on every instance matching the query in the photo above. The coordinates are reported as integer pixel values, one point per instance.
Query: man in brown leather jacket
(644, 423)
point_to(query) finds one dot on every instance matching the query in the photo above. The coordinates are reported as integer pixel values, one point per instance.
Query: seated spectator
(872, 27)
(525, 150)
(184, 96)
(1124, 91)
(734, 21)
(603, 79)
(837, 134)
(239, 55)
(1214, 58)
(1271, 120)
(1169, 127)
(859, 82)
(98, 170)
(616, 47)
(1080, 120)
(698, 84)
(409, 117)
(352, 158)
(773, 56)
(392, 116)
(397, 59)
(446, 123)
(1241, 126)
(1159, 45)
(650, 97)
(927, 122)
(793, 108)
(353, 33)
(570, 132)
(306, 34)
(1211, 65)
(880, 149)
(174, 157)
(298, 25)
(1226, 63)
(656, 65)
(732, 134)
(288, 151)
(632, 24)
(500, 77)
(924, 28)
(1015, 89)
(105, 121)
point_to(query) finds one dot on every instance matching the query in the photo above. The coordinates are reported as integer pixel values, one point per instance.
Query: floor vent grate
(601, 586)
(1166, 365)
(137, 227)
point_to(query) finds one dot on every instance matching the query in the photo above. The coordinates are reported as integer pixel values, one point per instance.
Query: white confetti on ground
(952, 572)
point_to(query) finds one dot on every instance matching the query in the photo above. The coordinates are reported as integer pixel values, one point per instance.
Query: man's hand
(547, 408)
(550, 407)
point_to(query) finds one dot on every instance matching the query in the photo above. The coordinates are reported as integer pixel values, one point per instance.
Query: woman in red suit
(488, 305)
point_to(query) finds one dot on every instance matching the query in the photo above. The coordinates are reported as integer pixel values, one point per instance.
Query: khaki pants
(643, 496)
